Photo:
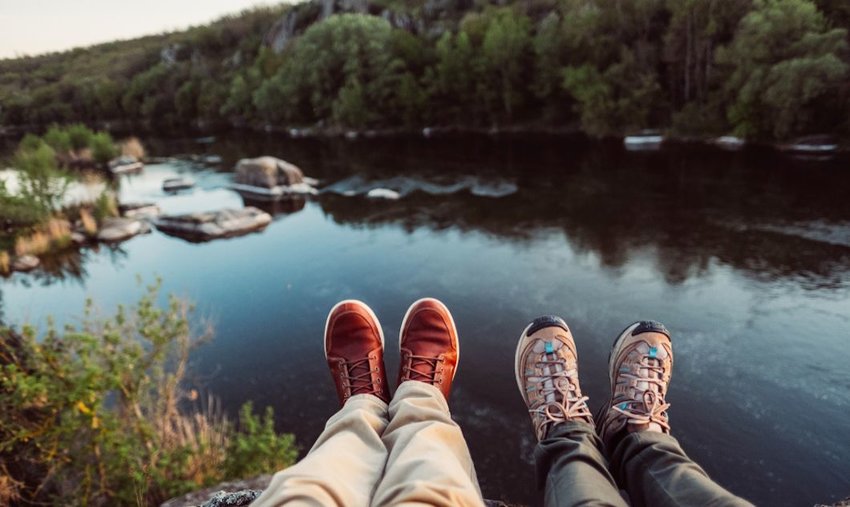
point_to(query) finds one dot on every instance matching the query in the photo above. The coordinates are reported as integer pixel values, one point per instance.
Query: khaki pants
(407, 453)
(649, 466)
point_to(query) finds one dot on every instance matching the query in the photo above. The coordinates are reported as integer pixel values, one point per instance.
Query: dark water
(745, 256)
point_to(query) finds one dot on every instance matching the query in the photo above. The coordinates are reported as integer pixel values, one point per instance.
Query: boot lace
(650, 406)
(433, 368)
(360, 383)
(559, 402)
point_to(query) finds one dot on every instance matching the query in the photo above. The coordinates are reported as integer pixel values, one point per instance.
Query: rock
(125, 164)
(267, 172)
(214, 224)
(270, 178)
(139, 210)
(383, 193)
(175, 184)
(645, 140)
(78, 238)
(241, 491)
(731, 143)
(121, 229)
(25, 263)
(283, 31)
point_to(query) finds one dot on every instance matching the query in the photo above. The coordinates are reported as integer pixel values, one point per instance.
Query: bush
(103, 147)
(43, 184)
(58, 138)
(98, 414)
(80, 136)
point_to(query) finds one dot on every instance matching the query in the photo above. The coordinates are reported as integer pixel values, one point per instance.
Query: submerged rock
(175, 184)
(731, 143)
(25, 263)
(383, 193)
(214, 224)
(645, 140)
(114, 230)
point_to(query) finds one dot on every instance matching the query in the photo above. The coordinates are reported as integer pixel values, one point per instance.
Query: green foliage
(103, 147)
(256, 448)
(105, 207)
(95, 414)
(335, 71)
(58, 138)
(505, 48)
(785, 62)
(616, 100)
(19, 213)
(774, 68)
(79, 135)
(42, 183)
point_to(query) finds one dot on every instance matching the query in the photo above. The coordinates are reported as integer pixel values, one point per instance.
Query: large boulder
(214, 224)
(267, 172)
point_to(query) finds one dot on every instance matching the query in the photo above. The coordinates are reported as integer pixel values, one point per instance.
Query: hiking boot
(639, 367)
(546, 370)
(428, 345)
(354, 348)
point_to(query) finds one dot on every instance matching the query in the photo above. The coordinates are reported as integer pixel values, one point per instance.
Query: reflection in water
(284, 206)
(744, 255)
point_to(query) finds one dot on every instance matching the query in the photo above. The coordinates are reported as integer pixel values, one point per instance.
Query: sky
(30, 27)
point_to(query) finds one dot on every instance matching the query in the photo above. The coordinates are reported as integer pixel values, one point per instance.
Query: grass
(56, 233)
(132, 147)
(5, 269)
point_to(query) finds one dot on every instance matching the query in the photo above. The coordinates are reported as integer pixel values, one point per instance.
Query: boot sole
(451, 322)
(356, 302)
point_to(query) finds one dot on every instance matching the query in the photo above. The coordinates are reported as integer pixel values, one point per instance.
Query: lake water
(745, 256)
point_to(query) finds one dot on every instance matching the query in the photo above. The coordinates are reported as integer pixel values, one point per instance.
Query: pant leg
(344, 465)
(428, 463)
(573, 469)
(656, 471)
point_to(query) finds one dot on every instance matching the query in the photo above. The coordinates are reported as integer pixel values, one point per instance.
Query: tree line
(765, 70)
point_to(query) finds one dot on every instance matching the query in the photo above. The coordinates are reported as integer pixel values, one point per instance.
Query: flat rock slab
(114, 230)
(211, 225)
(139, 210)
(25, 263)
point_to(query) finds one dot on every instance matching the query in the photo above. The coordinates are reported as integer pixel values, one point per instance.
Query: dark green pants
(649, 466)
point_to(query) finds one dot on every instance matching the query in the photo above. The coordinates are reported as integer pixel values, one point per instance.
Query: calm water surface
(745, 256)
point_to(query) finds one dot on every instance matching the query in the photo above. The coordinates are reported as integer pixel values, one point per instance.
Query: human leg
(570, 464)
(634, 426)
(346, 462)
(429, 462)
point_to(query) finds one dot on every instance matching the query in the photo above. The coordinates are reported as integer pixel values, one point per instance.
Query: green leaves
(785, 62)
(98, 414)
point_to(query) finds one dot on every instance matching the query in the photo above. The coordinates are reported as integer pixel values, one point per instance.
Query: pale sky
(38, 26)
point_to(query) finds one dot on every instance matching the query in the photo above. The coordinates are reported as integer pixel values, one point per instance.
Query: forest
(764, 70)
